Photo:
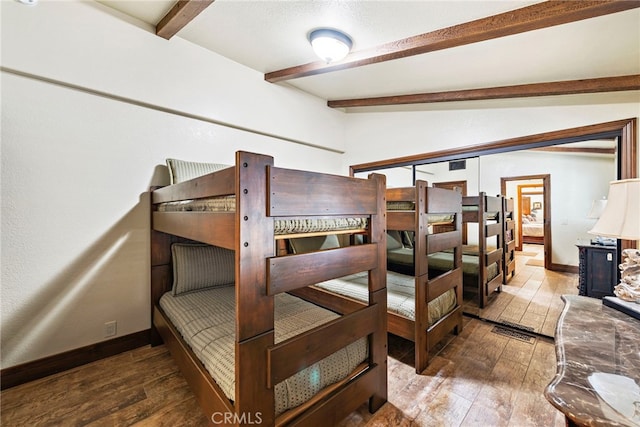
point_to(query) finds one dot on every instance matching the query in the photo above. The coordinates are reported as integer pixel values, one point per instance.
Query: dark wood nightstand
(598, 269)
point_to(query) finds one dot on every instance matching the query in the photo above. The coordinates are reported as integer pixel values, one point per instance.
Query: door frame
(521, 209)
(546, 197)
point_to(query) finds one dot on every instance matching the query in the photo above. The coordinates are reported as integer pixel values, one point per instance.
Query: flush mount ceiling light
(329, 44)
(28, 2)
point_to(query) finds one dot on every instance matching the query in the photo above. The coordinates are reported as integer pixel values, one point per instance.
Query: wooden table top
(598, 372)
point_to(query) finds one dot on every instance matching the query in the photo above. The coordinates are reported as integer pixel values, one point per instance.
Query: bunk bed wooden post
(161, 270)
(482, 249)
(254, 308)
(486, 209)
(509, 260)
(160, 274)
(493, 205)
(458, 265)
(378, 295)
(421, 270)
(443, 201)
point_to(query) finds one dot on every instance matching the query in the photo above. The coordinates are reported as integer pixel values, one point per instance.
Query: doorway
(530, 215)
(541, 185)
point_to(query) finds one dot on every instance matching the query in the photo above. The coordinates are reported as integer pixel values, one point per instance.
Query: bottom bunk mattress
(206, 321)
(443, 261)
(401, 292)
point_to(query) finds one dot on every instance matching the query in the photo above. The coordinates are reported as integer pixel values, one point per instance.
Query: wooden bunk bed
(482, 263)
(425, 306)
(509, 237)
(265, 204)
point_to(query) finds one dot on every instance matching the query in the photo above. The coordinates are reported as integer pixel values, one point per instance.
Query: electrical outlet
(110, 328)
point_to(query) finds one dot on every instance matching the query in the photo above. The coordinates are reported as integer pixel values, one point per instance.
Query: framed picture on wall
(537, 205)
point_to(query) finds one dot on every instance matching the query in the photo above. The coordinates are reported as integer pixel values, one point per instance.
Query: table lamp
(621, 220)
(596, 210)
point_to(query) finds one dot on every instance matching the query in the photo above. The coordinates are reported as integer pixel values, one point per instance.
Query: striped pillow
(197, 267)
(182, 170)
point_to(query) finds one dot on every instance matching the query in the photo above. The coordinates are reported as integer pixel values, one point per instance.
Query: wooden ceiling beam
(580, 150)
(534, 17)
(180, 15)
(568, 87)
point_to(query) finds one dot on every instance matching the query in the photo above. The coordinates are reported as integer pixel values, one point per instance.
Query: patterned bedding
(206, 321)
(281, 226)
(400, 294)
(431, 218)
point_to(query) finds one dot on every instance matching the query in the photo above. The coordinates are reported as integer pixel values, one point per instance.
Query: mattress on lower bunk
(401, 256)
(470, 264)
(206, 321)
(401, 293)
(432, 218)
(281, 226)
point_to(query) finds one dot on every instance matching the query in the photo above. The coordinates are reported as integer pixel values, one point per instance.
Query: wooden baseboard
(565, 268)
(20, 374)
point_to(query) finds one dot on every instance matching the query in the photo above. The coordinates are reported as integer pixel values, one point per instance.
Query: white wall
(575, 182)
(378, 136)
(75, 165)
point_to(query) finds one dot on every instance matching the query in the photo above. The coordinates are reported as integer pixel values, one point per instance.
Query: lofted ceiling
(518, 49)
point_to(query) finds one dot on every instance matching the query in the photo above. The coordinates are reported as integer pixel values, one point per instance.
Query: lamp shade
(597, 208)
(621, 216)
(329, 44)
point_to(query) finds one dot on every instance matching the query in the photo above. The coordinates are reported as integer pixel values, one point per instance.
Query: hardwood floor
(481, 378)
(486, 376)
(531, 299)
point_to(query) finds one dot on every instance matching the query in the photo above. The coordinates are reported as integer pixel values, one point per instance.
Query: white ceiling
(268, 35)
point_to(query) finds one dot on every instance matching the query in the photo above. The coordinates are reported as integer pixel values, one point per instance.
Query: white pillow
(199, 266)
(182, 170)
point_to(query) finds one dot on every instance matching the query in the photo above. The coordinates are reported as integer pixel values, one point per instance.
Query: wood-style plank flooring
(531, 299)
(481, 378)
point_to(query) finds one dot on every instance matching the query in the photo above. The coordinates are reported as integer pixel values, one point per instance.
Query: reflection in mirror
(440, 263)
(433, 173)
(579, 174)
(401, 176)
(557, 185)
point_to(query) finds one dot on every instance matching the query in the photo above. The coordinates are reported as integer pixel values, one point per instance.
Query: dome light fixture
(329, 44)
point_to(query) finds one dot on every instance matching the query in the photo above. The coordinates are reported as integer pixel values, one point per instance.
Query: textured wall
(78, 155)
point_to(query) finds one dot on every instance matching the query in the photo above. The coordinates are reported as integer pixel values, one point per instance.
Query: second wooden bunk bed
(264, 198)
(434, 216)
(485, 273)
(509, 238)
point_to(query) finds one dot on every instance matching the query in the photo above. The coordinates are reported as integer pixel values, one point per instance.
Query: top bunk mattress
(281, 226)
(206, 321)
(401, 292)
